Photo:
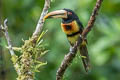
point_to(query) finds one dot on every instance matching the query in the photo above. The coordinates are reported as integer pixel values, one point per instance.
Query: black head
(71, 16)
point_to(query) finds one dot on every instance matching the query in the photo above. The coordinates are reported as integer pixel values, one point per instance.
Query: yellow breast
(73, 39)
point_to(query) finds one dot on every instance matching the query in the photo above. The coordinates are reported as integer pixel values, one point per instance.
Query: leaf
(39, 65)
(41, 35)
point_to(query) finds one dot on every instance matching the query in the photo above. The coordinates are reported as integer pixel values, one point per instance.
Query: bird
(73, 29)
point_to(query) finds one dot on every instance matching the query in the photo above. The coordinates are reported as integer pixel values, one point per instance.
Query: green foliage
(38, 52)
(29, 61)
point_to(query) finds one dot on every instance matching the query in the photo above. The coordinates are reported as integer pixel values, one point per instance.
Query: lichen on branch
(28, 62)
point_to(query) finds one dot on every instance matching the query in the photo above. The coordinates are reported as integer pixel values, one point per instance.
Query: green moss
(28, 63)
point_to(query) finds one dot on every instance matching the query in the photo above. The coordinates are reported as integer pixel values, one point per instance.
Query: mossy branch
(28, 63)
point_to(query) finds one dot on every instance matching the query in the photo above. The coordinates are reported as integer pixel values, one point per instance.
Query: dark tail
(85, 57)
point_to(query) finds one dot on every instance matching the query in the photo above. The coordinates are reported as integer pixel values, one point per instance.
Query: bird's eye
(69, 13)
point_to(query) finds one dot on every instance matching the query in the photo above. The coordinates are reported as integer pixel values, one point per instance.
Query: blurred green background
(103, 40)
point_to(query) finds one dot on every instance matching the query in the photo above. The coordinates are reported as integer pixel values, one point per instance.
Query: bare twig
(4, 28)
(70, 56)
(41, 22)
(92, 18)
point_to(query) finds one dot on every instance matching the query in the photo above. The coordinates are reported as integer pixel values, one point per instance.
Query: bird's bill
(56, 14)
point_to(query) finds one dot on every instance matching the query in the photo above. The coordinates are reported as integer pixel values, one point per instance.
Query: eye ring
(70, 13)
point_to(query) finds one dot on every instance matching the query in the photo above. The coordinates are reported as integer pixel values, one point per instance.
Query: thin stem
(41, 22)
(5, 30)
